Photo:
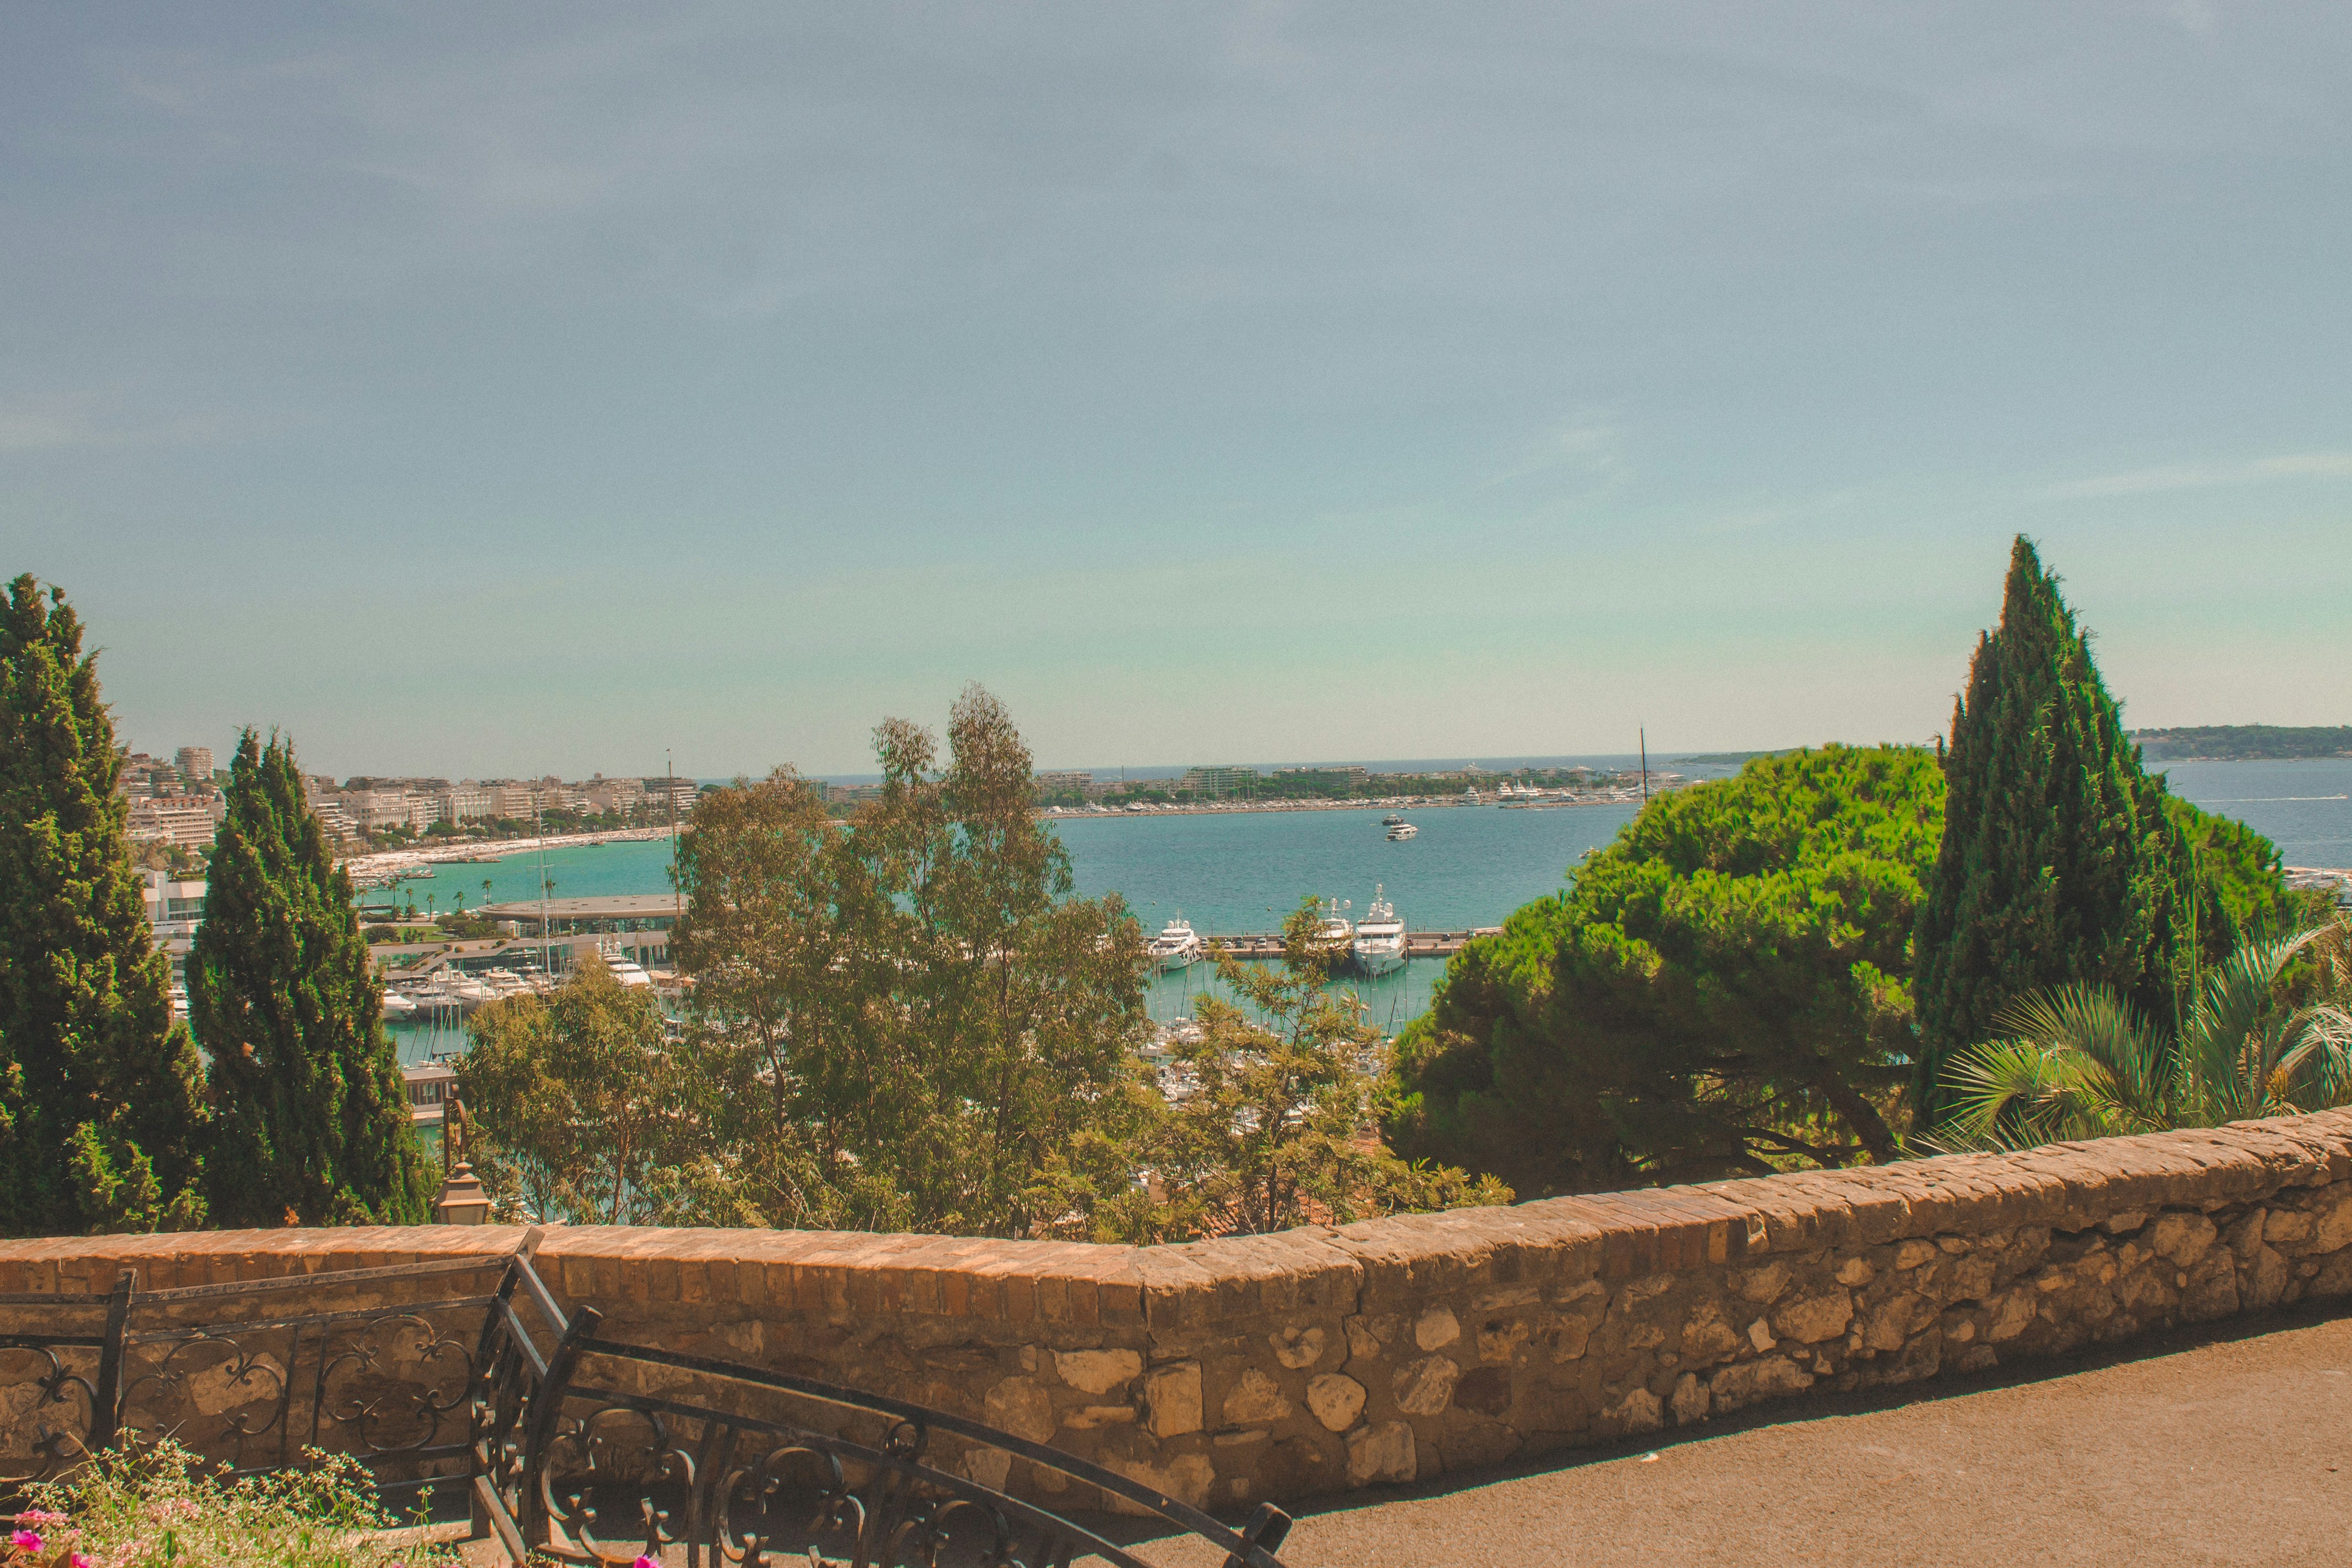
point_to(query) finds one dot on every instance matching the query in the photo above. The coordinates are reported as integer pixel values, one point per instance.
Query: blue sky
(478, 389)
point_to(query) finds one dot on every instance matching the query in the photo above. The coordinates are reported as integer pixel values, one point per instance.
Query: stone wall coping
(1548, 1244)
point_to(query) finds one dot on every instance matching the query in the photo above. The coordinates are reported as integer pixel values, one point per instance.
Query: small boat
(1392, 819)
(1380, 937)
(1401, 831)
(1178, 946)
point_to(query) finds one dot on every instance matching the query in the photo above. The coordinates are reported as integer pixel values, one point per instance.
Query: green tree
(1277, 1129)
(101, 1124)
(311, 1121)
(912, 1012)
(2082, 1061)
(2240, 881)
(2059, 864)
(583, 1099)
(1723, 991)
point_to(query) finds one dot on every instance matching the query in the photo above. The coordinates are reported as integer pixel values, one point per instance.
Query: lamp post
(462, 1201)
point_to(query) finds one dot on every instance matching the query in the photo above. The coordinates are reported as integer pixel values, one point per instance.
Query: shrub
(156, 1507)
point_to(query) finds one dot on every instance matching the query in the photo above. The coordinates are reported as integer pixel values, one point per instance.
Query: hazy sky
(476, 389)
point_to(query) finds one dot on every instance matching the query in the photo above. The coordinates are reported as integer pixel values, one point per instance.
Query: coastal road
(2203, 1448)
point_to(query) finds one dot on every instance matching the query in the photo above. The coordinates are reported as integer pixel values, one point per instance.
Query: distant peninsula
(1726, 758)
(2243, 742)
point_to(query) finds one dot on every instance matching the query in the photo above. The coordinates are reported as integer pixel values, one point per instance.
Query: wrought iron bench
(569, 1445)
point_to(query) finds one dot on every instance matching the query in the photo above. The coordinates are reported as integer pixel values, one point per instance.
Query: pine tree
(2059, 865)
(311, 1122)
(100, 1114)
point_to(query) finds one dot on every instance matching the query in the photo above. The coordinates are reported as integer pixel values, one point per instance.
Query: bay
(1470, 866)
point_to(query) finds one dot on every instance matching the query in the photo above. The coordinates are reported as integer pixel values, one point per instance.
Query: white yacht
(1336, 931)
(625, 969)
(1380, 937)
(1177, 946)
(396, 1005)
(1401, 831)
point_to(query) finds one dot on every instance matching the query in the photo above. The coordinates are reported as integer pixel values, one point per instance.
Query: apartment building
(187, 821)
(468, 803)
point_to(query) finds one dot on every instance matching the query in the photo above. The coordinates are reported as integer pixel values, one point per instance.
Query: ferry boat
(1401, 831)
(1178, 946)
(1380, 937)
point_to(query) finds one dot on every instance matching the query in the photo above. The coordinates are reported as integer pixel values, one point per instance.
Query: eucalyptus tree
(913, 1012)
(1276, 1128)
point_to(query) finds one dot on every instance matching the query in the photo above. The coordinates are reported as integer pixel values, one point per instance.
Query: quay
(1263, 945)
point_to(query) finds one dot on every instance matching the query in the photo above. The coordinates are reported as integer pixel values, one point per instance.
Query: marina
(1232, 877)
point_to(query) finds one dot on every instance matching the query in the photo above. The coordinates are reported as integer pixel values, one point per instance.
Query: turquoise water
(1469, 867)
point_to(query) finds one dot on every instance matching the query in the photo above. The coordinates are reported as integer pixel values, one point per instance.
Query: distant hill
(1728, 757)
(2244, 742)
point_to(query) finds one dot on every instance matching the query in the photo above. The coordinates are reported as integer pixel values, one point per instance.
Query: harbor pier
(1265, 946)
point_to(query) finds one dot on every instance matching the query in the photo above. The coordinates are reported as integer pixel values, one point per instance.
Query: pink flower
(645, 1562)
(25, 1538)
(76, 1561)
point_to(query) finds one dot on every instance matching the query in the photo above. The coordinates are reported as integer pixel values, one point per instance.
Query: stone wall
(1331, 1358)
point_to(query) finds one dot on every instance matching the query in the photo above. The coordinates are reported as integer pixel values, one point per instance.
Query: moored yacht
(625, 969)
(1401, 831)
(1380, 937)
(1177, 946)
(1336, 931)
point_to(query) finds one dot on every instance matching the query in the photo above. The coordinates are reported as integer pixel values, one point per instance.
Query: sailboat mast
(1644, 733)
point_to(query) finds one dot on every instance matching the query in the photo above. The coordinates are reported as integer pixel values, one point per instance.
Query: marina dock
(1265, 945)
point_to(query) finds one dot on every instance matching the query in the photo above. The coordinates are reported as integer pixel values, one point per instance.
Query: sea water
(1232, 872)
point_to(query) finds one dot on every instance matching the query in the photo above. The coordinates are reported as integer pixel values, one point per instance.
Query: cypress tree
(311, 1121)
(2059, 864)
(101, 1114)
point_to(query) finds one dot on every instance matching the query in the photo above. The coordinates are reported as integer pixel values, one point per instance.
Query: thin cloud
(2203, 477)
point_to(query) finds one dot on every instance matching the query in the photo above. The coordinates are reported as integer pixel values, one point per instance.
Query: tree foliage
(2080, 1061)
(910, 1014)
(2060, 864)
(1720, 992)
(586, 1107)
(102, 1122)
(1277, 1129)
(311, 1121)
(2239, 879)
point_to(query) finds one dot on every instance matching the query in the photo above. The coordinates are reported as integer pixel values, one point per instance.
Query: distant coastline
(1398, 802)
(2244, 742)
(383, 867)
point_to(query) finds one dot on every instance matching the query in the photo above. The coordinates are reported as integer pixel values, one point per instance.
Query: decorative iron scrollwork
(47, 1411)
(398, 1386)
(737, 1465)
